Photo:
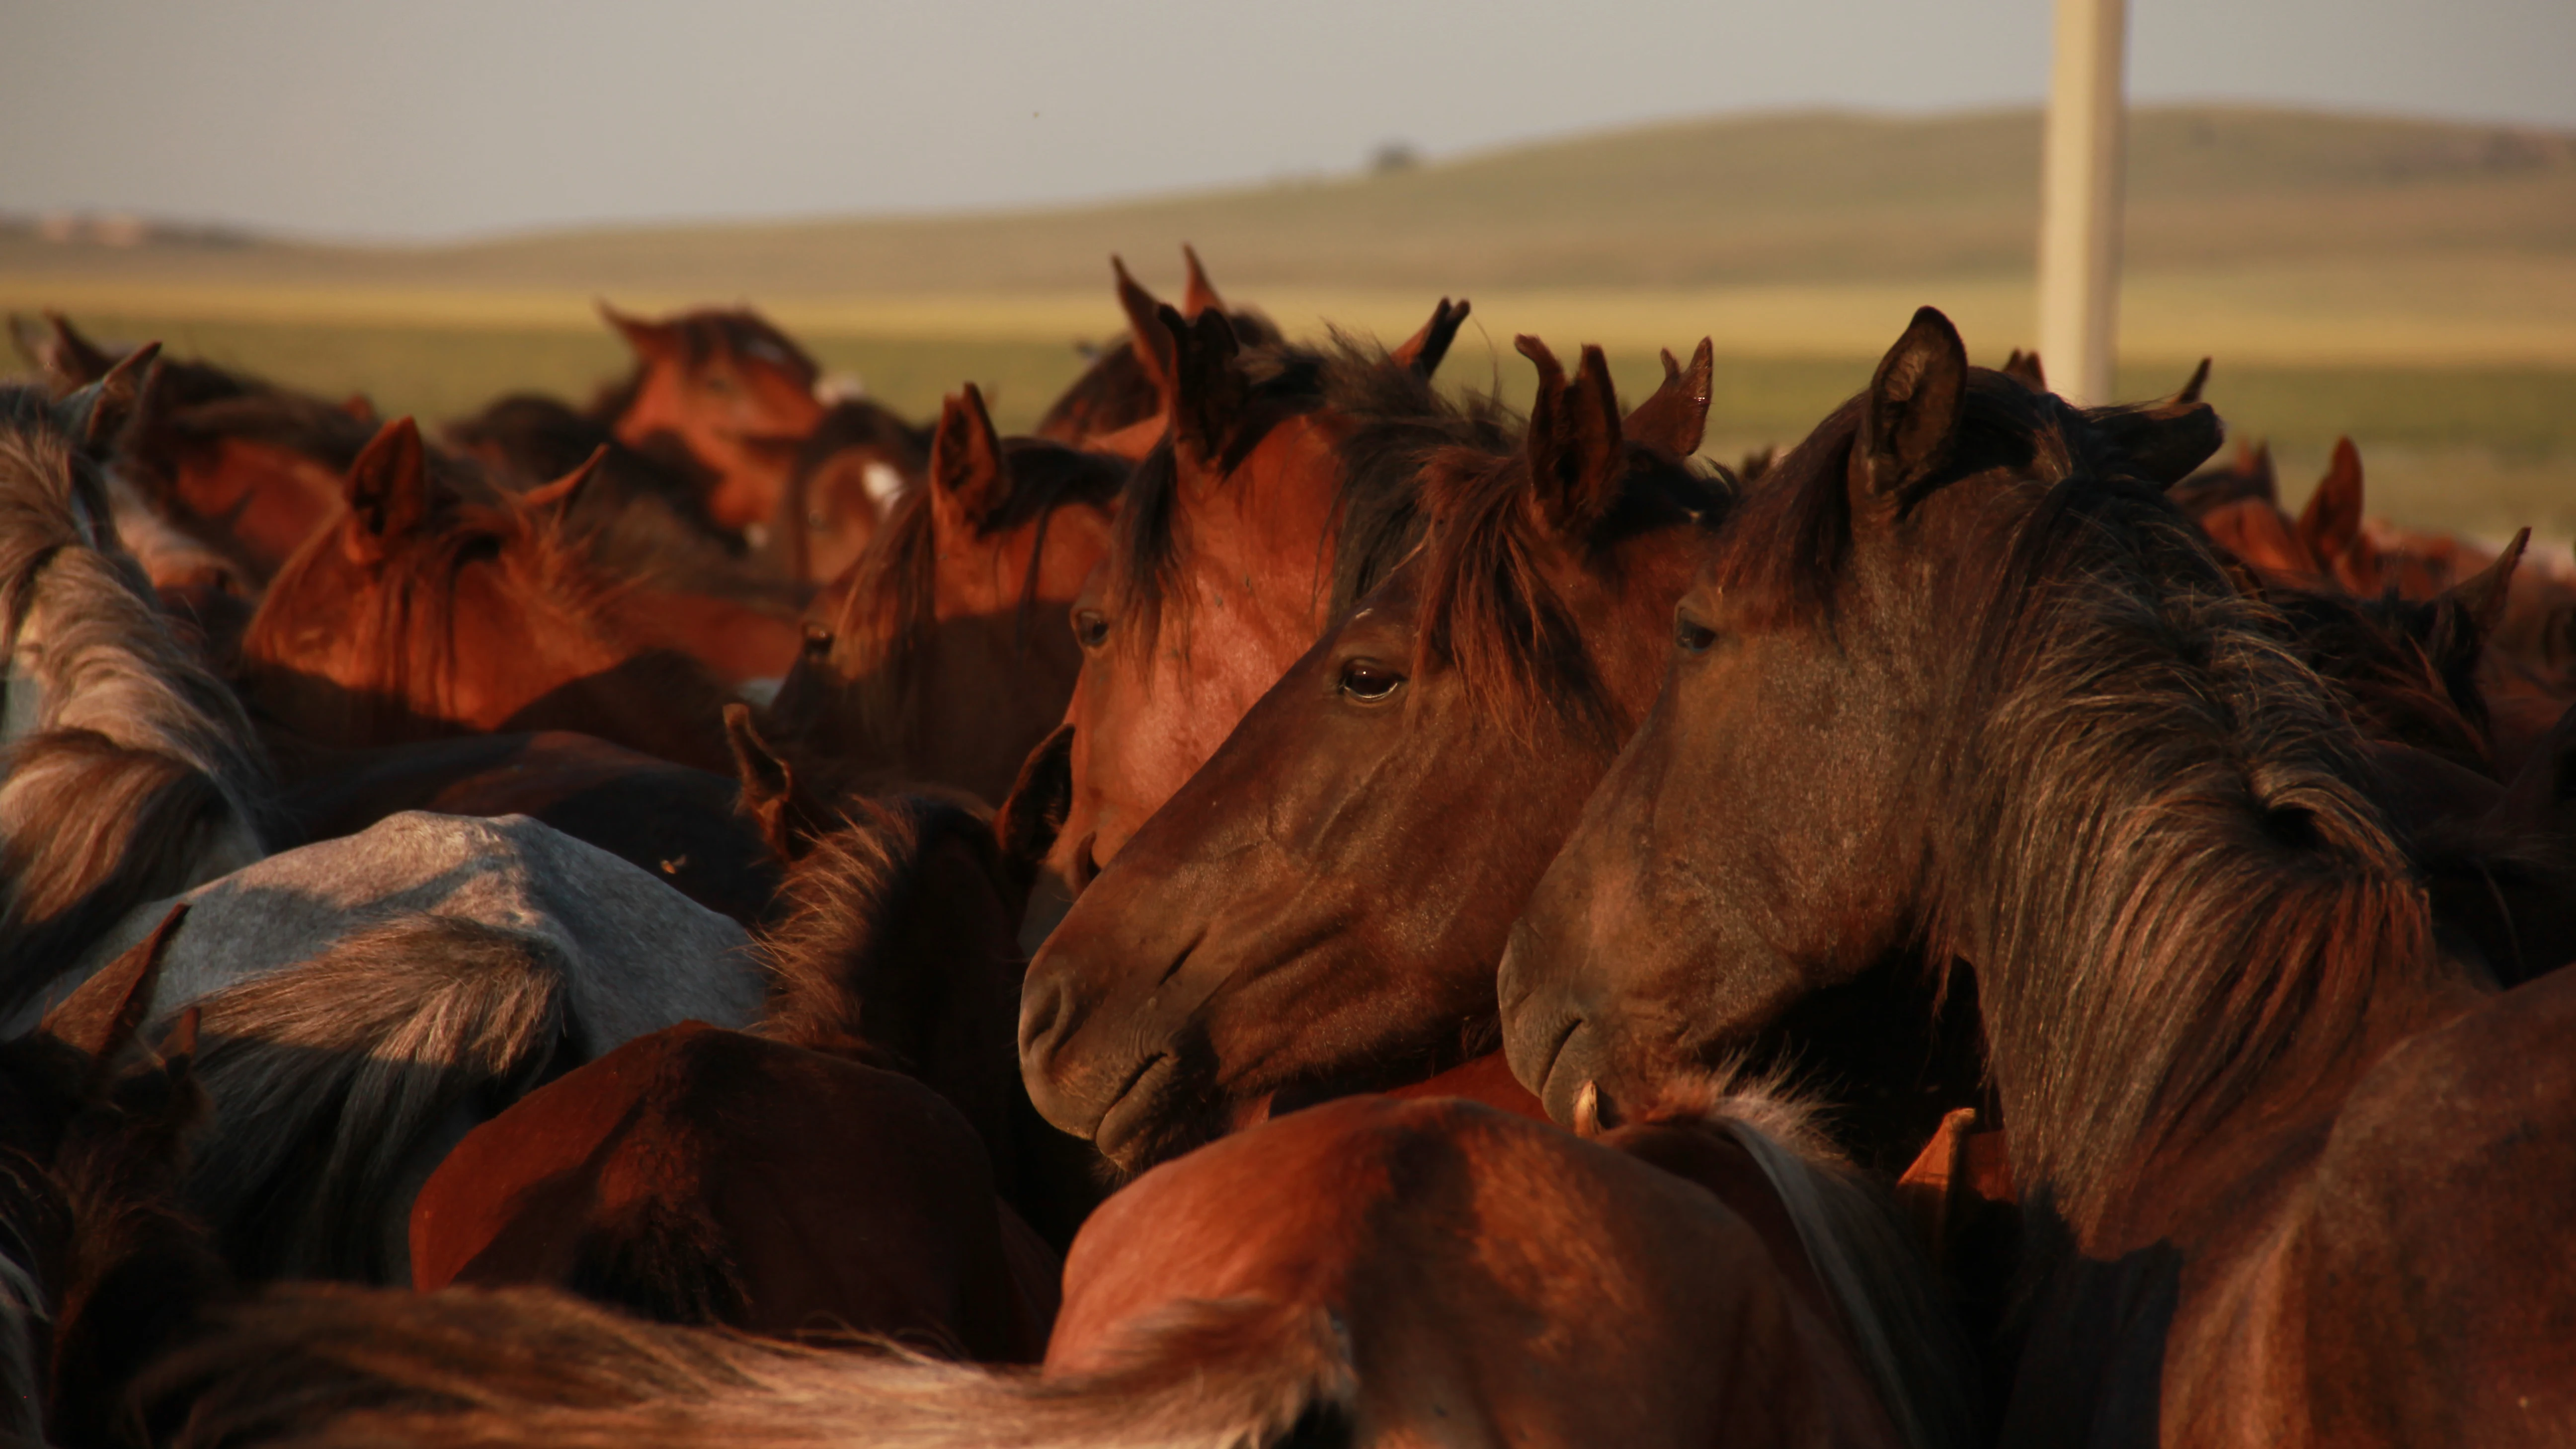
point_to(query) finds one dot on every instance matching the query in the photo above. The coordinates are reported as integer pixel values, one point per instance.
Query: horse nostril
(1042, 1011)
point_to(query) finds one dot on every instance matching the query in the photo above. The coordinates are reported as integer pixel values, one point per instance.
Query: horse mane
(1886, 1292)
(848, 904)
(325, 1364)
(1488, 609)
(1399, 420)
(2377, 651)
(2161, 866)
(882, 634)
(138, 754)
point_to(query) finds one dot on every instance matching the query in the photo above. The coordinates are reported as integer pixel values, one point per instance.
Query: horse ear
(559, 496)
(2023, 367)
(100, 1019)
(388, 488)
(969, 479)
(1033, 814)
(1576, 457)
(2331, 523)
(27, 335)
(2481, 597)
(1145, 329)
(106, 406)
(768, 783)
(2166, 440)
(1200, 293)
(2465, 618)
(2191, 387)
(1916, 400)
(1676, 417)
(72, 356)
(651, 341)
(1424, 350)
(2255, 461)
(1208, 389)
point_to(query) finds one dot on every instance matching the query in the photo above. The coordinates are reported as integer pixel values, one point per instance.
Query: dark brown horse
(1959, 675)
(725, 390)
(1308, 914)
(420, 615)
(948, 658)
(1366, 1273)
(1283, 492)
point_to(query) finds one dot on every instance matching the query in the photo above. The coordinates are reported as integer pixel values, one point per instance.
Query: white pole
(2080, 168)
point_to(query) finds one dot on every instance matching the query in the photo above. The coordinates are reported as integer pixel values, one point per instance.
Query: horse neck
(2186, 917)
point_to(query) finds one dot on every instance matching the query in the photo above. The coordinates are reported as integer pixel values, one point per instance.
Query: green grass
(2477, 449)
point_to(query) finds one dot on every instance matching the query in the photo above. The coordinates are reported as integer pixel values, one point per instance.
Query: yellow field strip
(2508, 312)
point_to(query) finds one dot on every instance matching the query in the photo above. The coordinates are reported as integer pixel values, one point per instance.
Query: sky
(356, 119)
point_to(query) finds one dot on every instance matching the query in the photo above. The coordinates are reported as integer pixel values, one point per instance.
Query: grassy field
(2410, 283)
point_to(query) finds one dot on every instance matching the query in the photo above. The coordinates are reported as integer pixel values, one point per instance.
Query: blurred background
(2365, 211)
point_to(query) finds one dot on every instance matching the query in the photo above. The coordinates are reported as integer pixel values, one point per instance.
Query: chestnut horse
(847, 477)
(1365, 1273)
(1118, 403)
(1281, 493)
(1291, 923)
(419, 615)
(948, 659)
(722, 389)
(652, 1178)
(1960, 674)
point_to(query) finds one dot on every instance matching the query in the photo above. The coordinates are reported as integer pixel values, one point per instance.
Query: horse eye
(1368, 681)
(1693, 638)
(1090, 629)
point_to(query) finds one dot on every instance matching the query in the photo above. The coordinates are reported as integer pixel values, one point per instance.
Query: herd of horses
(1294, 906)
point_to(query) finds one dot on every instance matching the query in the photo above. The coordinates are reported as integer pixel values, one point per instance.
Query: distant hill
(1784, 198)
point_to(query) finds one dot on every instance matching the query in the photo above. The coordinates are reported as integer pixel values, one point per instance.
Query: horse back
(2418, 1289)
(704, 1176)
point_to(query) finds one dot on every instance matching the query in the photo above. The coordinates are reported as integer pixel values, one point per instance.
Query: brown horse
(420, 615)
(1284, 490)
(1960, 674)
(1364, 1273)
(1291, 923)
(725, 390)
(1118, 403)
(704, 1176)
(948, 659)
(847, 477)
(681, 824)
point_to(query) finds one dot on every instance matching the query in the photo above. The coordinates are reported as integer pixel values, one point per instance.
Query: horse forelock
(1490, 607)
(1394, 421)
(2157, 854)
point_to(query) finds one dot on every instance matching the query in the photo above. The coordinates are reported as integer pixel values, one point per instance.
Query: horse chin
(1141, 1127)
